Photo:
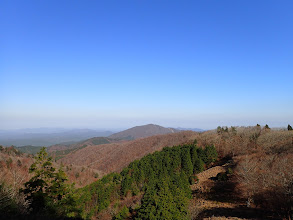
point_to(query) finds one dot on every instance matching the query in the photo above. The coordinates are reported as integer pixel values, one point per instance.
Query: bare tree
(248, 177)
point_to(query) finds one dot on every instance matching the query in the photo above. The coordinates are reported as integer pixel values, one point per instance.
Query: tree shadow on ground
(239, 212)
(39, 216)
(224, 191)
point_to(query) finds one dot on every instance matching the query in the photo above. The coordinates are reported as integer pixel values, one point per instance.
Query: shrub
(76, 174)
(123, 214)
(229, 171)
(191, 180)
(222, 176)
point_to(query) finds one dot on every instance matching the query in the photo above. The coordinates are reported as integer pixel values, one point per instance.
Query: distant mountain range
(71, 138)
(47, 137)
(190, 129)
(126, 135)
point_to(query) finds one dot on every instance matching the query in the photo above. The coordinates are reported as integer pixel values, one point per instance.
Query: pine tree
(193, 154)
(211, 154)
(186, 161)
(219, 130)
(198, 166)
(202, 155)
(37, 188)
(47, 190)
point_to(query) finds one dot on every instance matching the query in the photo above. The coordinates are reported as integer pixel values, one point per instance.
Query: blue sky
(114, 64)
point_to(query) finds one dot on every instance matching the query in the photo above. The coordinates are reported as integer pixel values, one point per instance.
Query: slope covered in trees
(160, 182)
(162, 179)
(113, 157)
(29, 149)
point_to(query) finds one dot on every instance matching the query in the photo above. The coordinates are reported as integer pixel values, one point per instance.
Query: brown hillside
(259, 185)
(113, 157)
(14, 167)
(142, 131)
(91, 141)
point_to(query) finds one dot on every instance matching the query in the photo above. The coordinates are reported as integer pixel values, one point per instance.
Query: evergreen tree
(47, 190)
(198, 166)
(202, 155)
(126, 185)
(233, 130)
(123, 214)
(37, 188)
(211, 154)
(186, 161)
(148, 209)
(219, 130)
(193, 154)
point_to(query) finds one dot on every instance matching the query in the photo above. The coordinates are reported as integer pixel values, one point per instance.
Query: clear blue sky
(112, 64)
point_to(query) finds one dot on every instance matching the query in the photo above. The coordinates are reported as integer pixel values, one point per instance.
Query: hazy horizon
(119, 64)
(116, 129)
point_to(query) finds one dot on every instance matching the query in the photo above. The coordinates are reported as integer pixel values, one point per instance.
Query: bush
(76, 174)
(123, 214)
(191, 180)
(229, 171)
(222, 176)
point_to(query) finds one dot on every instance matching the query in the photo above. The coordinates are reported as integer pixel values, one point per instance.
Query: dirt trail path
(217, 200)
(202, 190)
(204, 178)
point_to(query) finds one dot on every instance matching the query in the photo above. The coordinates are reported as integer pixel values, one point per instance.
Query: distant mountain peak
(142, 131)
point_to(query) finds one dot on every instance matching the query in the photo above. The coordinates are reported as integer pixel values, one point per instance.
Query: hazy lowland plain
(152, 172)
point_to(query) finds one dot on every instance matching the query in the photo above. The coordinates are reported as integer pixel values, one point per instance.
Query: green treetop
(47, 191)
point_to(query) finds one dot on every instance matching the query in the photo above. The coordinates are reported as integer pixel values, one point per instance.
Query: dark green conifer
(186, 161)
(47, 191)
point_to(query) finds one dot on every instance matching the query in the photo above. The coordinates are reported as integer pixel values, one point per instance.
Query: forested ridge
(163, 178)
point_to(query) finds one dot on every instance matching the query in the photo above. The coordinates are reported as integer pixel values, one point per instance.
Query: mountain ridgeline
(123, 136)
